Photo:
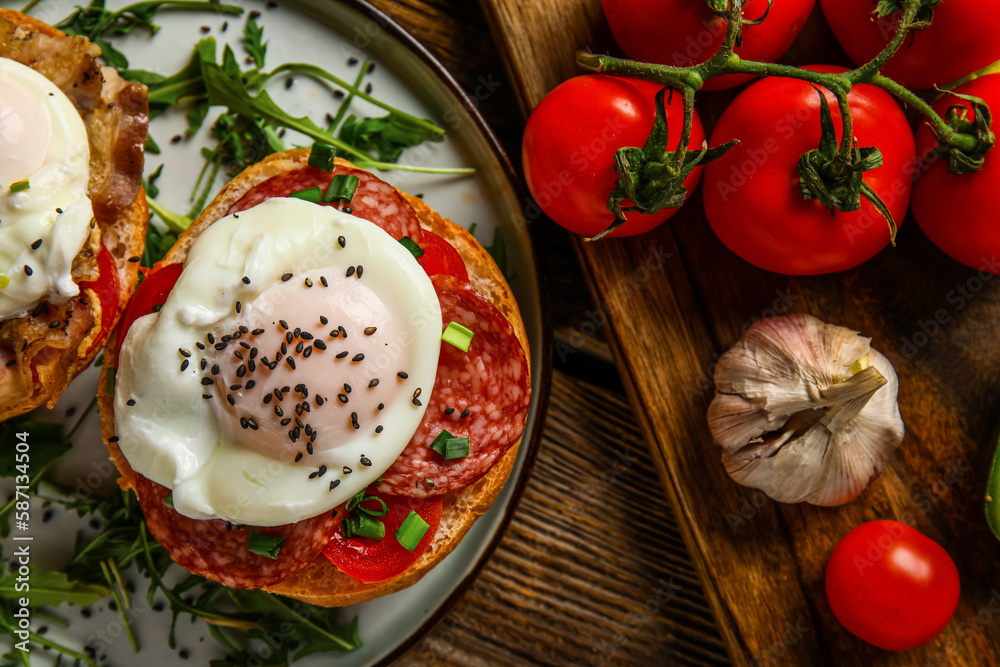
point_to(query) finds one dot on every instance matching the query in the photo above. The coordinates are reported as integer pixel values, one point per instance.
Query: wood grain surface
(762, 563)
(593, 569)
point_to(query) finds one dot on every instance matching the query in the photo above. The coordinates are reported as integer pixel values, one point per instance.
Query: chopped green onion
(169, 500)
(314, 195)
(412, 246)
(321, 156)
(362, 525)
(263, 544)
(449, 446)
(412, 531)
(109, 383)
(4, 281)
(342, 187)
(457, 335)
(20, 186)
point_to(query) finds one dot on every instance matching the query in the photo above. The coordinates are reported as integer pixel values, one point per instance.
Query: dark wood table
(593, 569)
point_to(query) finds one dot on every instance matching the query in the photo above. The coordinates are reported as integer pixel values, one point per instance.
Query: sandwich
(73, 215)
(321, 386)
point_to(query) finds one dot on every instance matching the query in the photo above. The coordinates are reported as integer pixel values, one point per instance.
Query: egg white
(42, 139)
(174, 436)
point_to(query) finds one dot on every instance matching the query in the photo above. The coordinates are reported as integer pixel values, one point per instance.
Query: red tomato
(891, 586)
(370, 561)
(959, 212)
(152, 291)
(752, 196)
(570, 141)
(106, 288)
(440, 258)
(958, 42)
(686, 32)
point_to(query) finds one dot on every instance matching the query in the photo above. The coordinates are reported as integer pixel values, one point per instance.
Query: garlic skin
(805, 410)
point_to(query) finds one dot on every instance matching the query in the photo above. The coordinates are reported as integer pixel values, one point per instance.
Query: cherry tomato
(752, 196)
(440, 258)
(370, 561)
(106, 288)
(891, 586)
(686, 32)
(152, 291)
(959, 212)
(570, 141)
(958, 42)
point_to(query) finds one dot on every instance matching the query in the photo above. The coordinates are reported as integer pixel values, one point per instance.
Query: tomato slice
(441, 258)
(152, 291)
(370, 561)
(106, 287)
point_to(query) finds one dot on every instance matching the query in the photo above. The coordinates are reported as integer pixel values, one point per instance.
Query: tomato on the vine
(686, 32)
(570, 141)
(958, 42)
(959, 212)
(752, 196)
(891, 585)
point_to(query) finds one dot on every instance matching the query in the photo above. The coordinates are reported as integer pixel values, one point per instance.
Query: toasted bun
(115, 113)
(320, 583)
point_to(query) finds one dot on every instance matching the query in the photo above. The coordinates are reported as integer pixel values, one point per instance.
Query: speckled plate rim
(541, 383)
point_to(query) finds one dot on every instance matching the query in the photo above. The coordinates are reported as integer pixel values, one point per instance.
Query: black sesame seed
(284, 348)
(36, 245)
(251, 365)
(278, 395)
(246, 280)
(257, 332)
(416, 392)
(251, 384)
(308, 283)
(27, 270)
(176, 139)
(352, 61)
(368, 88)
(309, 446)
(289, 82)
(292, 436)
(184, 365)
(207, 381)
(206, 396)
(55, 324)
(215, 369)
(298, 422)
(465, 413)
(10, 363)
(232, 401)
(245, 345)
(297, 332)
(378, 429)
(305, 406)
(320, 400)
(322, 470)
(342, 398)
(373, 383)
(204, 364)
(313, 474)
(286, 421)
(239, 306)
(130, 402)
(300, 387)
(286, 277)
(252, 422)
(298, 457)
(341, 355)
(342, 241)
(347, 471)
(416, 401)
(267, 398)
(449, 411)
(211, 339)
(289, 337)
(241, 371)
(350, 271)
(348, 210)
(319, 345)
(307, 352)
(226, 338)
(361, 270)
(234, 387)
(381, 406)
(290, 362)
(322, 279)
(365, 461)
(402, 375)
(283, 324)
(301, 346)
(113, 438)
(323, 320)
(200, 345)
(134, 259)
(358, 357)
(243, 423)
(253, 352)
(370, 330)
(221, 346)
(333, 485)
(184, 353)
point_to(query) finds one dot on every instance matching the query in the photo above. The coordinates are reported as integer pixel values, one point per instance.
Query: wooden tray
(762, 563)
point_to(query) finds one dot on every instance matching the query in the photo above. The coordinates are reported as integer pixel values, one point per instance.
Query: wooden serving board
(677, 298)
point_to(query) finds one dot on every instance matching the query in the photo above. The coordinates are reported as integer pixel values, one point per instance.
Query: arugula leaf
(387, 136)
(253, 36)
(51, 588)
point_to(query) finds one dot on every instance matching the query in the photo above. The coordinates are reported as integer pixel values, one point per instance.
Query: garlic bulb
(805, 411)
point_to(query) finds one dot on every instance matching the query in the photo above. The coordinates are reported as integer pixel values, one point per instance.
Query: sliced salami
(374, 200)
(482, 394)
(208, 549)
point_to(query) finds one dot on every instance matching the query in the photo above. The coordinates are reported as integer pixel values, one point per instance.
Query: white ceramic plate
(328, 34)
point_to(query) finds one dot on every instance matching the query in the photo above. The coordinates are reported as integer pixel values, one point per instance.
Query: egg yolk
(304, 368)
(24, 131)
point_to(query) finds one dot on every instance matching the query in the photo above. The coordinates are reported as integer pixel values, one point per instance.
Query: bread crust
(120, 207)
(320, 583)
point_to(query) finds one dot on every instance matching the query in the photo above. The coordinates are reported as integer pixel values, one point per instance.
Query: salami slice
(374, 200)
(482, 394)
(208, 549)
